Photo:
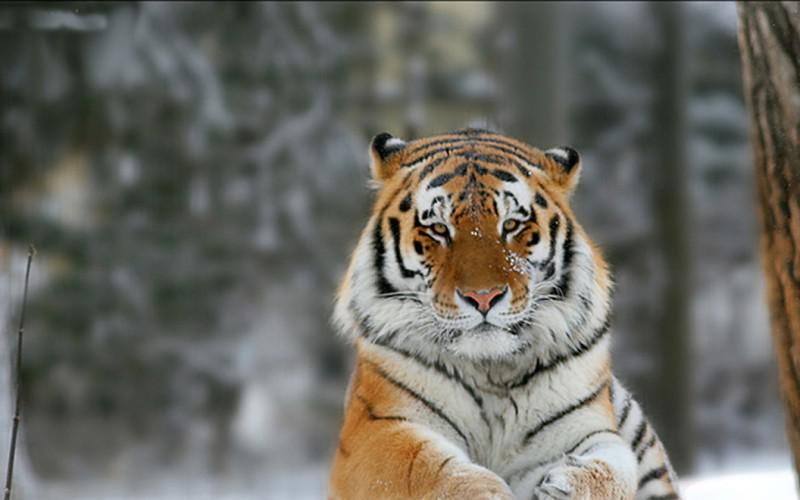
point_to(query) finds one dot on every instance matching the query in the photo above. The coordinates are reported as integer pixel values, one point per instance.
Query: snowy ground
(306, 484)
(776, 484)
(767, 485)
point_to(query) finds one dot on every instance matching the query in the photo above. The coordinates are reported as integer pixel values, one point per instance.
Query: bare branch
(20, 331)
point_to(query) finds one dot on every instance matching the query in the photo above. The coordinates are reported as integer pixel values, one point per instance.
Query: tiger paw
(474, 482)
(580, 478)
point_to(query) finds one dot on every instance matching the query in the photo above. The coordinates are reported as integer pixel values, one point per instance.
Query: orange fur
(382, 454)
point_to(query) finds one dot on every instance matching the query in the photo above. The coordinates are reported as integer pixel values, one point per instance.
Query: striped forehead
(473, 145)
(458, 183)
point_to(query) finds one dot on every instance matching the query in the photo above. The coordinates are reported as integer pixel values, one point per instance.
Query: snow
(778, 484)
(302, 484)
(309, 483)
(68, 21)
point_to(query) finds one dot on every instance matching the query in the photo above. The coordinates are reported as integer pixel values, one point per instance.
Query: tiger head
(472, 250)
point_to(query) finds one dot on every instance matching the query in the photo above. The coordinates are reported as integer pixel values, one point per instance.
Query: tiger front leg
(605, 470)
(401, 460)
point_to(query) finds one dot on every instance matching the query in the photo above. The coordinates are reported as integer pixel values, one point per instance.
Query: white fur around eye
(435, 203)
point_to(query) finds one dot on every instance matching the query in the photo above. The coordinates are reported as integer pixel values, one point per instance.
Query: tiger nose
(483, 300)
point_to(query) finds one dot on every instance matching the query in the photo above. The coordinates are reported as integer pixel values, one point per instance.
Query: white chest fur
(499, 415)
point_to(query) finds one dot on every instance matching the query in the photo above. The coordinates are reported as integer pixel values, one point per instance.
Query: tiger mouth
(486, 327)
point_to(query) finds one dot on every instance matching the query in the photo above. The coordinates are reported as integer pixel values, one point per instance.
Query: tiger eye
(440, 229)
(510, 225)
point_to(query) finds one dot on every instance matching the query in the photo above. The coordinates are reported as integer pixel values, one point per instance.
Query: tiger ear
(383, 155)
(564, 167)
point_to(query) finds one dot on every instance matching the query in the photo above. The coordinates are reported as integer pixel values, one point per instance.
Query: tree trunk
(532, 106)
(671, 205)
(414, 28)
(769, 39)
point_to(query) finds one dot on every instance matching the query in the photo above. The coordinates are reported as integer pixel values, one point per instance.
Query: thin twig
(15, 428)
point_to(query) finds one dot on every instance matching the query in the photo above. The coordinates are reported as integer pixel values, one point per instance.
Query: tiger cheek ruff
(479, 310)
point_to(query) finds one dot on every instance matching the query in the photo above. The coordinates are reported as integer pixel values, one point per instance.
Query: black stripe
(442, 179)
(650, 443)
(363, 323)
(611, 391)
(405, 205)
(433, 408)
(533, 217)
(503, 175)
(443, 370)
(445, 152)
(411, 464)
(625, 412)
(434, 240)
(640, 431)
(501, 146)
(442, 465)
(437, 366)
(379, 250)
(588, 437)
(371, 413)
(668, 496)
(549, 271)
(540, 200)
(474, 156)
(509, 194)
(516, 159)
(562, 288)
(547, 263)
(477, 168)
(394, 226)
(563, 413)
(586, 302)
(653, 475)
(469, 140)
(363, 320)
(522, 169)
(429, 168)
(389, 337)
(553, 226)
(582, 348)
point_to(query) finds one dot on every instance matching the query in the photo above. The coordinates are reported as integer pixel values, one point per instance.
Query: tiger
(479, 309)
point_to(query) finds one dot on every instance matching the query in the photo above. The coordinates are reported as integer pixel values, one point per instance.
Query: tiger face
(472, 249)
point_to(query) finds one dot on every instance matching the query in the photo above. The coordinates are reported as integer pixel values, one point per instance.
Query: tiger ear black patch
(563, 167)
(385, 144)
(565, 156)
(382, 149)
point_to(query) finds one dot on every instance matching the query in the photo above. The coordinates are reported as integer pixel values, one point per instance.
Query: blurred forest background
(194, 176)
